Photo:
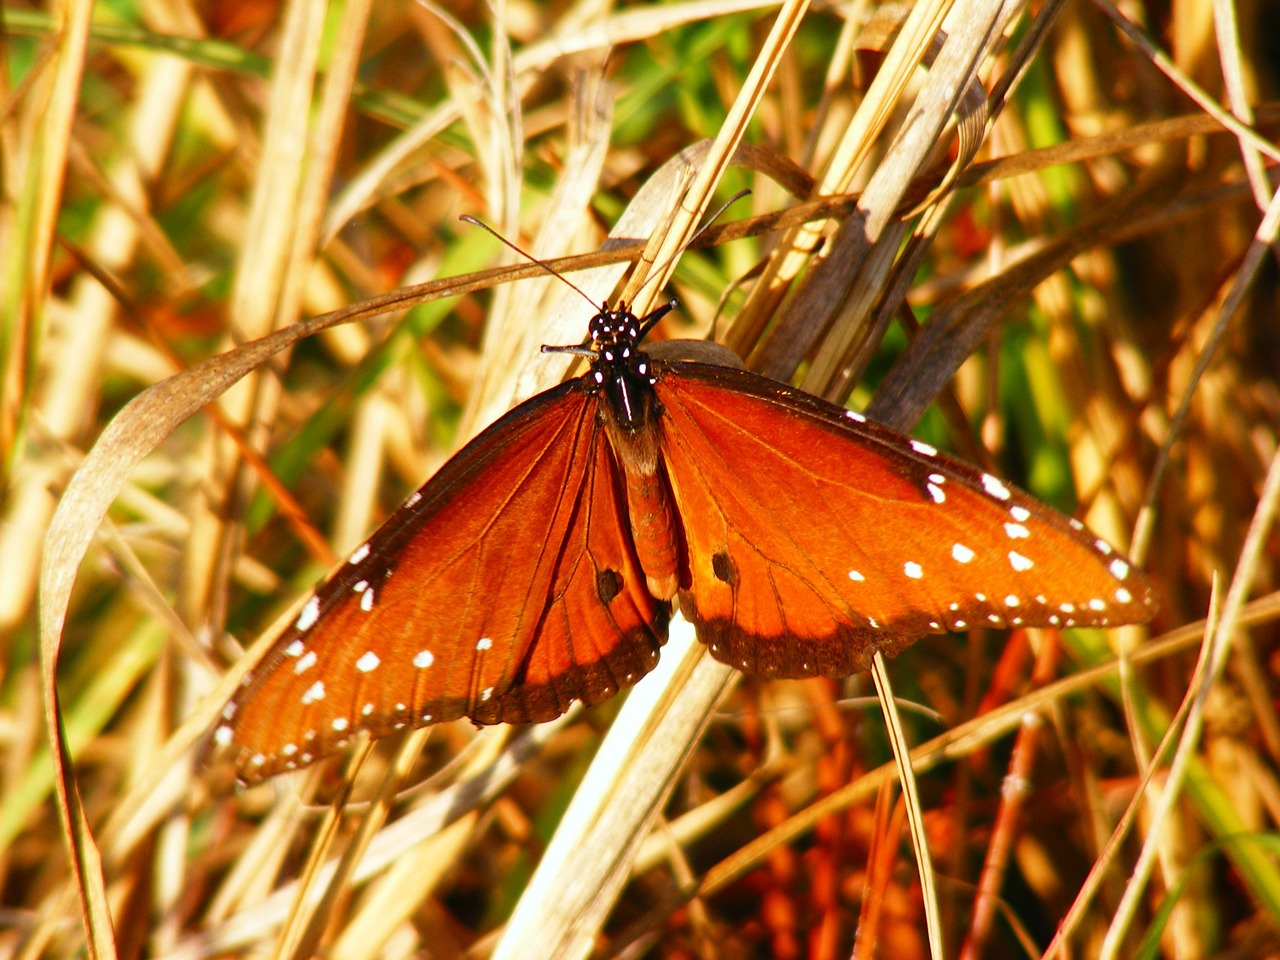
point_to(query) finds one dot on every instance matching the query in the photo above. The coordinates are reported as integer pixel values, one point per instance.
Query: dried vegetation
(1046, 240)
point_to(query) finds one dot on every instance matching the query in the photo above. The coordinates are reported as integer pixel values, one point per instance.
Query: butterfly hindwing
(504, 589)
(601, 629)
(814, 537)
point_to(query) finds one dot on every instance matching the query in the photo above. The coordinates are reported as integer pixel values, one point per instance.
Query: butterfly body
(539, 565)
(631, 415)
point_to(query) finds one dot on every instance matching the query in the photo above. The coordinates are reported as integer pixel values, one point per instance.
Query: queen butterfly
(539, 565)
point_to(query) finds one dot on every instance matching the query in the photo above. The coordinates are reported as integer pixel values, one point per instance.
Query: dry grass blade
(850, 277)
(144, 424)
(590, 857)
(697, 201)
(911, 801)
(955, 744)
(1219, 641)
(44, 162)
(311, 910)
(916, 37)
(957, 329)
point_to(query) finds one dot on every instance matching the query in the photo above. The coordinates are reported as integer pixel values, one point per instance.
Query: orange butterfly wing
(814, 537)
(515, 590)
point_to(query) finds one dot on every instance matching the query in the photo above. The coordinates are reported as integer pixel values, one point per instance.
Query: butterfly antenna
(466, 217)
(694, 239)
(717, 215)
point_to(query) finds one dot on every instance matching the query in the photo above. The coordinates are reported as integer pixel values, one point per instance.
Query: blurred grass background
(181, 178)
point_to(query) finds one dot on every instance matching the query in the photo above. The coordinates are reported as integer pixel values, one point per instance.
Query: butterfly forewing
(503, 590)
(814, 537)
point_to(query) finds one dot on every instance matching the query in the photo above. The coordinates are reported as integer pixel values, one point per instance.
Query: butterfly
(539, 566)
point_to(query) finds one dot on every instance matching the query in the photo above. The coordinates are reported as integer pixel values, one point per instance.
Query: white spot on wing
(340, 724)
(855, 416)
(960, 553)
(936, 493)
(912, 570)
(359, 554)
(222, 736)
(423, 659)
(306, 663)
(1124, 596)
(855, 576)
(1019, 562)
(484, 643)
(995, 487)
(309, 615)
(924, 448)
(1021, 514)
(1016, 531)
(367, 662)
(1119, 569)
(315, 693)
(295, 649)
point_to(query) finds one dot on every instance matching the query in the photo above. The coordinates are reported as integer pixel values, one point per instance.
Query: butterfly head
(619, 368)
(615, 331)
